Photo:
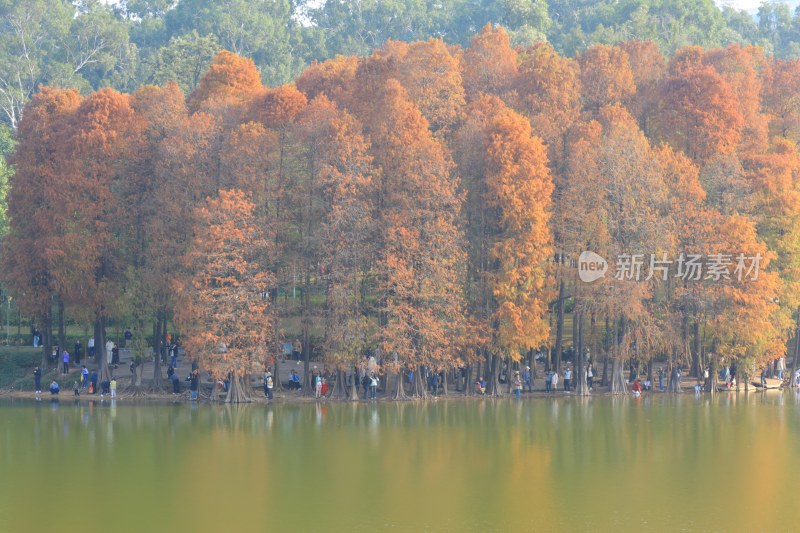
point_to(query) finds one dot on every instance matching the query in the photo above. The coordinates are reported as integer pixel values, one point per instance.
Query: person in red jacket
(636, 388)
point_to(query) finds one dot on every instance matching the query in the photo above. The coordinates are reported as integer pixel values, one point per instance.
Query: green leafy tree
(263, 30)
(184, 60)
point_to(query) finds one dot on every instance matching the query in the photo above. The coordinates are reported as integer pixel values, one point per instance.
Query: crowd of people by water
(366, 377)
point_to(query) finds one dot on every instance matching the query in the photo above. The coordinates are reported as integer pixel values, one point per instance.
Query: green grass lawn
(16, 365)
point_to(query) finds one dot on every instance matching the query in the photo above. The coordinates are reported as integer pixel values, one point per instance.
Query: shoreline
(294, 398)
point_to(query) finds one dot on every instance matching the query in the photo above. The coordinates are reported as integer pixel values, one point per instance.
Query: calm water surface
(607, 464)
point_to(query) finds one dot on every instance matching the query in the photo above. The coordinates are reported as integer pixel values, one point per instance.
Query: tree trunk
(164, 347)
(157, 352)
(420, 386)
(532, 363)
(556, 357)
(618, 384)
(581, 387)
(672, 385)
(308, 387)
(100, 347)
(238, 390)
(399, 393)
(796, 350)
(277, 385)
(354, 386)
(468, 388)
(696, 362)
(494, 379)
(606, 350)
(509, 364)
(340, 385)
(711, 385)
(62, 333)
(47, 340)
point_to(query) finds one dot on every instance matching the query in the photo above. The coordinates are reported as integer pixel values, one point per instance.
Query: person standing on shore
(37, 379)
(555, 382)
(84, 377)
(113, 387)
(317, 384)
(268, 385)
(176, 384)
(548, 381)
(567, 379)
(109, 351)
(589, 376)
(194, 379)
(517, 384)
(90, 347)
(373, 386)
(78, 352)
(526, 379)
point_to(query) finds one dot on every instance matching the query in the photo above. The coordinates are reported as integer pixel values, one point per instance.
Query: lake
(731, 463)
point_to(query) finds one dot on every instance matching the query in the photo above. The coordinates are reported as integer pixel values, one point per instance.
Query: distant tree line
(89, 44)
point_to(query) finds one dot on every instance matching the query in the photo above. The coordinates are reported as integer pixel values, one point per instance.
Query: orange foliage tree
(509, 198)
(224, 308)
(34, 250)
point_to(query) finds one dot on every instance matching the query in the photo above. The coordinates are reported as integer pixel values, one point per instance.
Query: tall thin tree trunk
(62, 333)
(100, 347)
(308, 387)
(556, 366)
(796, 358)
(696, 362)
(468, 388)
(164, 347)
(618, 384)
(581, 387)
(355, 384)
(494, 371)
(47, 339)
(711, 385)
(509, 372)
(277, 384)
(156, 352)
(607, 348)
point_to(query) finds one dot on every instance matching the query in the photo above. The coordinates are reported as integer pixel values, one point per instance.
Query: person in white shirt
(109, 350)
(567, 379)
